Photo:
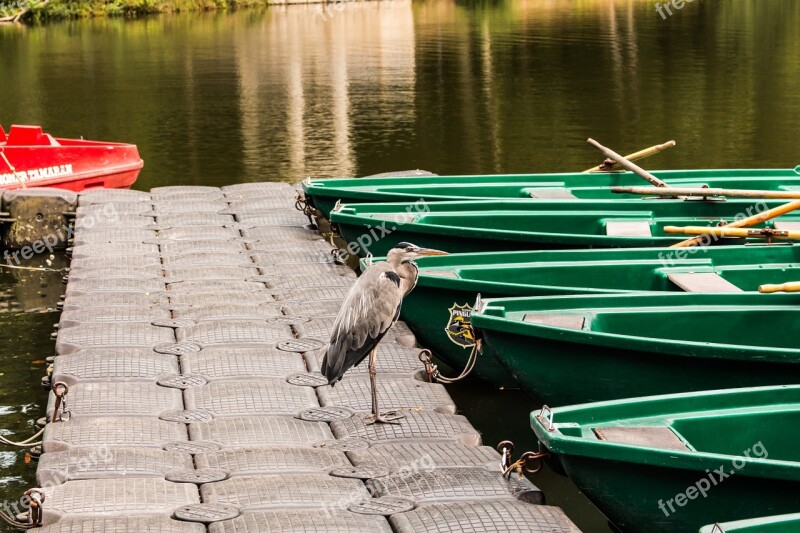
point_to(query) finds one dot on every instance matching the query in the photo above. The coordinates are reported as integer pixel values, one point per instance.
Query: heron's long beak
(430, 251)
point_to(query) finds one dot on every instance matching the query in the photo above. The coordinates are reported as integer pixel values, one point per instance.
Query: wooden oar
(700, 191)
(747, 222)
(610, 165)
(792, 286)
(627, 165)
(727, 231)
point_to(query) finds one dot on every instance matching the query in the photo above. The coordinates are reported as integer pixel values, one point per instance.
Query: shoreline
(61, 10)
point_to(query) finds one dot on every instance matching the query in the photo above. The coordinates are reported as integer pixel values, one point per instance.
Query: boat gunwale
(363, 215)
(493, 316)
(319, 184)
(558, 443)
(748, 523)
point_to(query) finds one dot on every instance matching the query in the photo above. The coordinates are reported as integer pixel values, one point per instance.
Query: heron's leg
(391, 418)
(373, 383)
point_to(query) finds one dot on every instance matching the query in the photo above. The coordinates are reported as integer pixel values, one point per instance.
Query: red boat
(32, 158)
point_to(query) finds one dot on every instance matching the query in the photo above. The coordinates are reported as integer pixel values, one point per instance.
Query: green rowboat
(677, 462)
(325, 193)
(483, 226)
(788, 523)
(438, 309)
(575, 349)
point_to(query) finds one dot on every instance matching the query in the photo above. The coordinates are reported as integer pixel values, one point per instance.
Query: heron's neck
(409, 273)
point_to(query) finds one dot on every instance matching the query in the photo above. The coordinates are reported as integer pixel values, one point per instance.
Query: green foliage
(75, 9)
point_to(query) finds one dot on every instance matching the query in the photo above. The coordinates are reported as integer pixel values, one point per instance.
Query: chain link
(61, 412)
(432, 370)
(506, 448)
(302, 205)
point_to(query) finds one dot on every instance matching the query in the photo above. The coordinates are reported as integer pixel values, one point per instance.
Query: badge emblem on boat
(458, 326)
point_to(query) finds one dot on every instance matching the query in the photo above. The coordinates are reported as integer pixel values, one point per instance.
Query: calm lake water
(451, 87)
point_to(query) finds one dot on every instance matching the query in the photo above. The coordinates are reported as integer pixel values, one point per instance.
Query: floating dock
(187, 361)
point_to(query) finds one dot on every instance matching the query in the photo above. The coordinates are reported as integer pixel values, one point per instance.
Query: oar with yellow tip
(611, 164)
(747, 222)
(705, 192)
(741, 233)
(792, 286)
(627, 165)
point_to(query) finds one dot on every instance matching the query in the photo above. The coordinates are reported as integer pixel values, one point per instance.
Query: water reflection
(28, 298)
(454, 87)
(299, 71)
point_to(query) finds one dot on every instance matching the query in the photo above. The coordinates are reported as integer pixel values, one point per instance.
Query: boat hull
(563, 373)
(432, 314)
(487, 226)
(324, 194)
(677, 462)
(608, 347)
(439, 308)
(32, 158)
(629, 494)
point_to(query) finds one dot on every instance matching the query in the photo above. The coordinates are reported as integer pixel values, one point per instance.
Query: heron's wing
(368, 311)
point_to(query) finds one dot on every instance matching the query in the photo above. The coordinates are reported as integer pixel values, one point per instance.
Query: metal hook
(506, 448)
(543, 417)
(430, 368)
(60, 411)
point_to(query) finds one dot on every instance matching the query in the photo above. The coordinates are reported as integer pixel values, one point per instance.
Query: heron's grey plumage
(368, 311)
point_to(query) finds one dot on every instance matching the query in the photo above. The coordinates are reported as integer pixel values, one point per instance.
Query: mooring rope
(27, 443)
(433, 371)
(37, 269)
(35, 498)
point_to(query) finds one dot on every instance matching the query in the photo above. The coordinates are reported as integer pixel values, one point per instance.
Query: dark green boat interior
(550, 189)
(626, 276)
(483, 265)
(739, 325)
(617, 221)
(724, 432)
(325, 193)
(721, 325)
(568, 222)
(789, 523)
(569, 179)
(732, 326)
(732, 433)
(756, 423)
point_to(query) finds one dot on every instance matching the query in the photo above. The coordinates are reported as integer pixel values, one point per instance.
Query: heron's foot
(392, 417)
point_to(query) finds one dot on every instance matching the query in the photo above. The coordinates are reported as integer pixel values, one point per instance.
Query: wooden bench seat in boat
(786, 226)
(556, 321)
(649, 436)
(702, 282)
(552, 194)
(628, 228)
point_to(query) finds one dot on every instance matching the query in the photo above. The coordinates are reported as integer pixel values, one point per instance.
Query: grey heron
(368, 311)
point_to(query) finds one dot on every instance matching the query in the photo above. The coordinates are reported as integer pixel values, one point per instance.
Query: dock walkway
(189, 345)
